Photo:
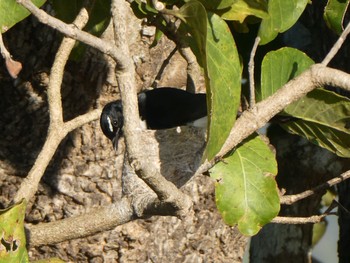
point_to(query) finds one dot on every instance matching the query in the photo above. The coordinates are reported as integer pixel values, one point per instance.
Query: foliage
(11, 13)
(334, 14)
(215, 47)
(222, 67)
(246, 192)
(13, 240)
(282, 15)
(322, 116)
(100, 16)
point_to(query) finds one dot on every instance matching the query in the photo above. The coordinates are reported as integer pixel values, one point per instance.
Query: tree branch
(98, 220)
(166, 191)
(57, 128)
(251, 73)
(337, 46)
(122, 212)
(299, 220)
(253, 119)
(73, 32)
(291, 199)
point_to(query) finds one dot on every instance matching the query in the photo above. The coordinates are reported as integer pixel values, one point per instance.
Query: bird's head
(112, 121)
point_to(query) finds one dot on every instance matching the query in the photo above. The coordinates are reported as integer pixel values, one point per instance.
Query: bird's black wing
(165, 108)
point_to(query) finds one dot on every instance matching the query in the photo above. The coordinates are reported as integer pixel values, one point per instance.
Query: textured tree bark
(85, 173)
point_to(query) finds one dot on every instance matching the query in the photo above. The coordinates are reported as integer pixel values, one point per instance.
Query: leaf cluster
(209, 28)
(246, 191)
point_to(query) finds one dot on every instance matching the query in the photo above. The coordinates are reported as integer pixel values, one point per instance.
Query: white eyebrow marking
(110, 126)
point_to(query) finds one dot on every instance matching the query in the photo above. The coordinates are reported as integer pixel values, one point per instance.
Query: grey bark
(85, 172)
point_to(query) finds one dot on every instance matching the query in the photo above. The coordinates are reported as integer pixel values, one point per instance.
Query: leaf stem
(251, 73)
(334, 50)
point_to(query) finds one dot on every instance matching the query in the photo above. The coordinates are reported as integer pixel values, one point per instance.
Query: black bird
(161, 108)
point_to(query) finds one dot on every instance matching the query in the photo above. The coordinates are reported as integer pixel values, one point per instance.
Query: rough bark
(344, 222)
(85, 172)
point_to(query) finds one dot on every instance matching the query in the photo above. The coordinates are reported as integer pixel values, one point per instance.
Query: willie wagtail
(161, 108)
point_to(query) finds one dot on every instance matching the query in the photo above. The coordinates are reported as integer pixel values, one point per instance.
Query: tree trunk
(86, 172)
(344, 222)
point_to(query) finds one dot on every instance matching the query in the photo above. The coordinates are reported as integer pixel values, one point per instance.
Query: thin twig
(57, 128)
(299, 220)
(251, 73)
(291, 199)
(162, 68)
(82, 119)
(193, 69)
(4, 52)
(334, 50)
(73, 32)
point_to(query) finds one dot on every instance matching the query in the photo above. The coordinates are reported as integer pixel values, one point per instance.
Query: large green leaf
(324, 119)
(322, 116)
(223, 83)
(11, 13)
(246, 190)
(240, 9)
(278, 67)
(334, 14)
(13, 240)
(283, 15)
(217, 53)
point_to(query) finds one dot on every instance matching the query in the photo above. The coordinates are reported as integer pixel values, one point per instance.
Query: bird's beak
(116, 140)
(115, 143)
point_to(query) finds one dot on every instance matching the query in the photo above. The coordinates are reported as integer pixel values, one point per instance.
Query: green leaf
(216, 4)
(99, 17)
(215, 47)
(13, 240)
(283, 15)
(157, 36)
(246, 191)
(324, 119)
(243, 8)
(223, 83)
(323, 116)
(318, 231)
(194, 15)
(278, 67)
(11, 13)
(142, 9)
(334, 14)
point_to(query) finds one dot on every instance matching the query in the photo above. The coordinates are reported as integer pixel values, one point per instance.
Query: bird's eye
(115, 123)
